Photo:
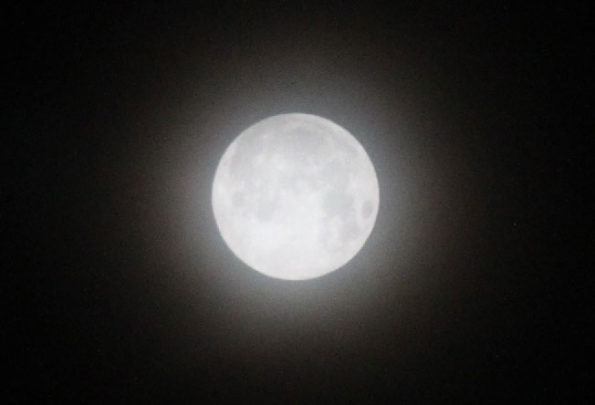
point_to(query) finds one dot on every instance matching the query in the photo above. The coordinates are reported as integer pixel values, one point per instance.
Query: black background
(121, 290)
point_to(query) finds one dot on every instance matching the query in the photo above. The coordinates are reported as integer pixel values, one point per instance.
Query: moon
(295, 196)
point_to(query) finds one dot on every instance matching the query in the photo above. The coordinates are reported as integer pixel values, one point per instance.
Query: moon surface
(295, 196)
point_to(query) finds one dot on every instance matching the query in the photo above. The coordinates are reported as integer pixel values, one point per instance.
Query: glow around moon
(295, 196)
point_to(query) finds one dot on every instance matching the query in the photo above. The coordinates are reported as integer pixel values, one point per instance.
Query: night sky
(120, 289)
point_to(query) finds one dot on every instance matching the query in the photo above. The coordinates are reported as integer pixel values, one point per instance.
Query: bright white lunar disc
(295, 196)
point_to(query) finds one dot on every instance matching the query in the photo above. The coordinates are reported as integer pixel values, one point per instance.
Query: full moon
(295, 196)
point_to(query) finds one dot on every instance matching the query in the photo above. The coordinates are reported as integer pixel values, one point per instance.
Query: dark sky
(120, 288)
